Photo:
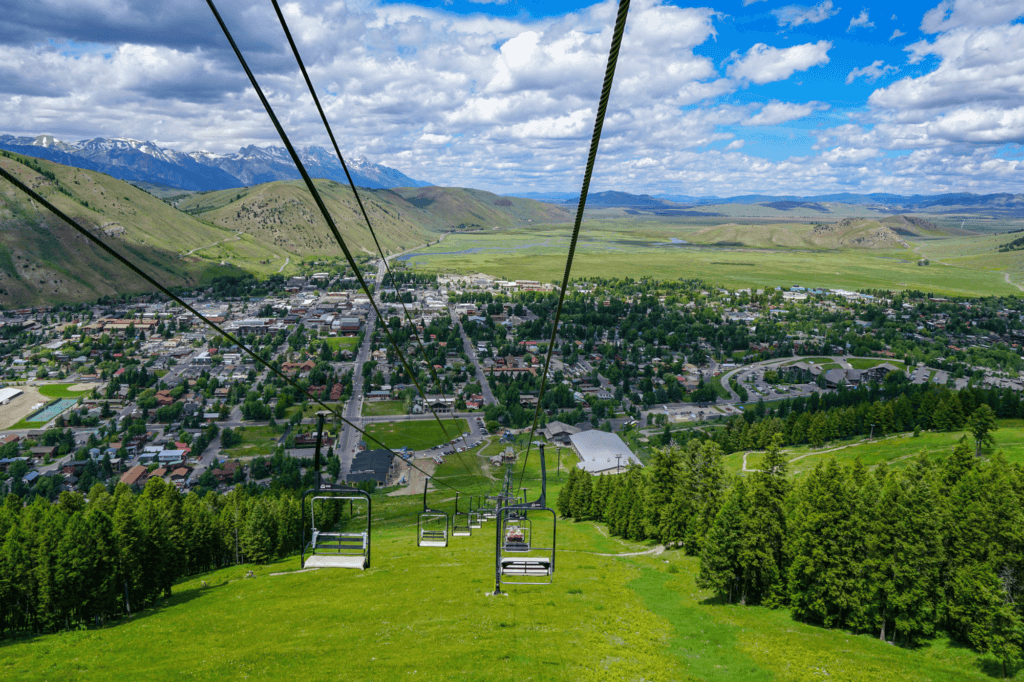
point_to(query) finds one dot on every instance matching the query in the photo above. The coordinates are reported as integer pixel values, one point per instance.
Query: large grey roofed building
(597, 451)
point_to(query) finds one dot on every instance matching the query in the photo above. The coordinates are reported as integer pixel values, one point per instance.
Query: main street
(349, 439)
(467, 346)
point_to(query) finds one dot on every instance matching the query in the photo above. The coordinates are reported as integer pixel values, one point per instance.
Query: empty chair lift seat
(526, 566)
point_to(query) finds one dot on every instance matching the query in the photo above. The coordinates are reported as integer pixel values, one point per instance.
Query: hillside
(42, 260)
(616, 610)
(263, 229)
(857, 233)
(284, 215)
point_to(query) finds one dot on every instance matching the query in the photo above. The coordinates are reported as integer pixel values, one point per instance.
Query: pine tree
(128, 543)
(762, 557)
(720, 567)
(567, 494)
(665, 468)
(908, 554)
(958, 464)
(75, 569)
(823, 546)
(581, 499)
(981, 424)
(260, 536)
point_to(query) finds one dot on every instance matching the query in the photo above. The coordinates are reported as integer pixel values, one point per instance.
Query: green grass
(868, 363)
(415, 435)
(383, 408)
(896, 450)
(424, 614)
(256, 440)
(631, 247)
(341, 342)
(61, 391)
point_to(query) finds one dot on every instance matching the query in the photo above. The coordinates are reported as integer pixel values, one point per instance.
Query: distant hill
(1007, 205)
(191, 238)
(202, 171)
(283, 214)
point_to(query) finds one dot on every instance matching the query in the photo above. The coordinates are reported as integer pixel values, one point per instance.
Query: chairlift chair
(431, 525)
(335, 549)
(518, 560)
(330, 548)
(475, 515)
(461, 526)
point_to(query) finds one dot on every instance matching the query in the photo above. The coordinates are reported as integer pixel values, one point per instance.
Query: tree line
(84, 562)
(901, 554)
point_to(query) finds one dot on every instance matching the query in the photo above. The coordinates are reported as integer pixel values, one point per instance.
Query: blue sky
(717, 98)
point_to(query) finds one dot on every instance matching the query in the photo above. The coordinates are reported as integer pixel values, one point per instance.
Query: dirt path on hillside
(416, 476)
(1006, 276)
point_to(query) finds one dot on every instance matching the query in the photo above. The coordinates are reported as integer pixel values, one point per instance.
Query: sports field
(416, 435)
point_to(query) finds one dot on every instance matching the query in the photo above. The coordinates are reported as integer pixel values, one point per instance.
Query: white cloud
(763, 64)
(796, 15)
(896, 34)
(951, 14)
(776, 112)
(735, 144)
(860, 21)
(871, 72)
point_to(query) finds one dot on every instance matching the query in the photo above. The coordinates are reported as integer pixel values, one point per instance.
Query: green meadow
(426, 613)
(731, 256)
(895, 450)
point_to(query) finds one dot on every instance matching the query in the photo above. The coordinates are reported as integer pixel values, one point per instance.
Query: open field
(634, 248)
(895, 450)
(415, 435)
(65, 390)
(383, 408)
(256, 440)
(342, 342)
(423, 613)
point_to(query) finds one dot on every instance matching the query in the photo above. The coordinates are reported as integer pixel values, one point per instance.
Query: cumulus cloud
(796, 15)
(871, 72)
(951, 14)
(508, 103)
(764, 64)
(896, 34)
(776, 112)
(860, 21)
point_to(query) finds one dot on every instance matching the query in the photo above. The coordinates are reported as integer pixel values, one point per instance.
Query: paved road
(467, 346)
(350, 437)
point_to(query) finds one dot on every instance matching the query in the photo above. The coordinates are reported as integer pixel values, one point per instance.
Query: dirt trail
(655, 551)
(1006, 276)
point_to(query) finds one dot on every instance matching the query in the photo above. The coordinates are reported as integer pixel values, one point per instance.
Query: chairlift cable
(609, 76)
(177, 299)
(359, 201)
(320, 205)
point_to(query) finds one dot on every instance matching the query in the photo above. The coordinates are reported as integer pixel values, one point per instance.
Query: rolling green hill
(42, 260)
(284, 215)
(262, 229)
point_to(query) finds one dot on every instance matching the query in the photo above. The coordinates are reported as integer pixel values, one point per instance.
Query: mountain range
(202, 171)
(961, 201)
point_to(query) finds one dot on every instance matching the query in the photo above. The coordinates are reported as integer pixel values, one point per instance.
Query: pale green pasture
(613, 251)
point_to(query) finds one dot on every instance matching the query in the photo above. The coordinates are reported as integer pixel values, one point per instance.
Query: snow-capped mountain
(134, 160)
